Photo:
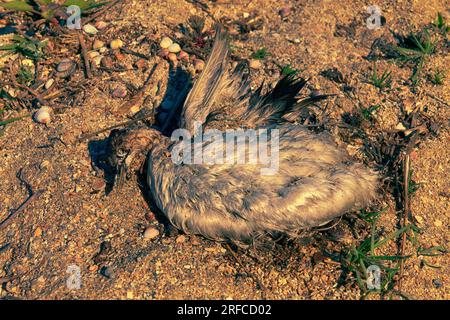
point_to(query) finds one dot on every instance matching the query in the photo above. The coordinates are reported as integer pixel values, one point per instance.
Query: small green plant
(260, 54)
(419, 47)
(412, 185)
(367, 113)
(441, 24)
(48, 9)
(430, 252)
(11, 120)
(357, 260)
(383, 81)
(27, 47)
(287, 70)
(25, 75)
(438, 77)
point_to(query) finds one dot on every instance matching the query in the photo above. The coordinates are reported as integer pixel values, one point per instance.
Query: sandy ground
(69, 221)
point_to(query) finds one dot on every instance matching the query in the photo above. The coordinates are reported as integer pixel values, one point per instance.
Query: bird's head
(128, 150)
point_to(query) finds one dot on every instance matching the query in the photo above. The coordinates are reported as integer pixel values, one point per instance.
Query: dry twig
(31, 196)
(84, 55)
(101, 11)
(406, 207)
(137, 99)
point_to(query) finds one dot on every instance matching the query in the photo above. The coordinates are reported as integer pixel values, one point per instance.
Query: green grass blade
(11, 120)
(17, 6)
(392, 235)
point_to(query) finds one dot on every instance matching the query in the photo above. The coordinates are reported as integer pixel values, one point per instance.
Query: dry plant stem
(122, 124)
(134, 53)
(202, 7)
(31, 196)
(406, 166)
(136, 99)
(437, 99)
(23, 87)
(101, 11)
(84, 54)
(250, 274)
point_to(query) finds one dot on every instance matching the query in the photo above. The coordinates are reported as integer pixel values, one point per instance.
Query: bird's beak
(120, 175)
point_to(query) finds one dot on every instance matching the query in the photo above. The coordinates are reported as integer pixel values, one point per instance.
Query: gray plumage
(316, 180)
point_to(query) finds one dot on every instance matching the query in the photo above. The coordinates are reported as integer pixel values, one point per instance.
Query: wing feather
(207, 87)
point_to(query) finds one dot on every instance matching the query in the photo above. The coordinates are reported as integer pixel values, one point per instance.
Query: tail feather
(280, 104)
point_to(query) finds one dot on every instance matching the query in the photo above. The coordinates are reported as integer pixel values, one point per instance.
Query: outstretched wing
(207, 87)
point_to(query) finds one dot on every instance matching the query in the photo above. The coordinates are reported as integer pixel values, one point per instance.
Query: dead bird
(315, 180)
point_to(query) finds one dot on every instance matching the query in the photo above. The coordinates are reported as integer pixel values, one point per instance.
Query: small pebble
(44, 165)
(180, 239)
(172, 57)
(174, 47)
(151, 233)
(409, 105)
(255, 64)
(49, 83)
(116, 44)
(100, 25)
(93, 268)
(38, 232)
(119, 92)
(43, 115)
(419, 219)
(119, 56)
(437, 283)
(199, 65)
(65, 65)
(90, 29)
(106, 62)
(166, 42)
(92, 54)
(285, 12)
(164, 53)
(135, 109)
(97, 60)
(98, 44)
(438, 223)
(183, 56)
(98, 184)
(140, 64)
(106, 272)
(400, 127)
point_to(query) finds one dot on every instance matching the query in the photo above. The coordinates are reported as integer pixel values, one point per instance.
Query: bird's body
(315, 181)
